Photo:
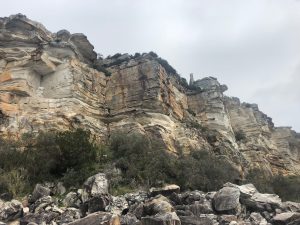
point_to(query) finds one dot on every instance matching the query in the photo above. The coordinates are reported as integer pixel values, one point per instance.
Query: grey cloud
(282, 99)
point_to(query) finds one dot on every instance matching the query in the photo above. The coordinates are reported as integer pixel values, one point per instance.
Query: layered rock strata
(54, 81)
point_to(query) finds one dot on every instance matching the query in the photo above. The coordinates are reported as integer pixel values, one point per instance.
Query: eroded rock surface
(54, 81)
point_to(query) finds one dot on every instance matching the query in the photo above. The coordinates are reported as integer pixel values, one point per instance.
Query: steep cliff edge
(54, 81)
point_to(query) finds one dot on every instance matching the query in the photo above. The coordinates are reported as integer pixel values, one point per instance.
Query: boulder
(262, 202)
(195, 220)
(226, 200)
(246, 190)
(201, 208)
(291, 206)
(227, 219)
(137, 197)
(118, 205)
(128, 219)
(69, 215)
(257, 219)
(137, 210)
(40, 204)
(196, 209)
(288, 218)
(10, 210)
(210, 195)
(95, 195)
(40, 218)
(255, 201)
(97, 218)
(187, 198)
(39, 192)
(157, 205)
(160, 219)
(97, 203)
(55, 188)
(72, 199)
(60, 188)
(166, 190)
(96, 185)
(51, 214)
(271, 199)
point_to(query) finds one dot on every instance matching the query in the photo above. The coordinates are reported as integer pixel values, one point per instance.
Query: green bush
(130, 161)
(71, 156)
(260, 179)
(146, 163)
(287, 187)
(14, 181)
(76, 150)
(141, 160)
(191, 112)
(240, 135)
(165, 64)
(103, 70)
(203, 171)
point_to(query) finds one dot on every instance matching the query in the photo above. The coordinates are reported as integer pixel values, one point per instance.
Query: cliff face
(54, 81)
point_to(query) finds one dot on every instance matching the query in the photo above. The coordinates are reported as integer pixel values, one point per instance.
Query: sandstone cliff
(54, 81)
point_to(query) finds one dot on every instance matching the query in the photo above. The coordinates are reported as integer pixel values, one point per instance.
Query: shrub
(115, 56)
(141, 160)
(76, 150)
(144, 162)
(51, 155)
(182, 81)
(165, 64)
(102, 69)
(287, 187)
(136, 55)
(71, 156)
(191, 112)
(196, 125)
(153, 54)
(240, 135)
(260, 179)
(14, 181)
(195, 88)
(204, 171)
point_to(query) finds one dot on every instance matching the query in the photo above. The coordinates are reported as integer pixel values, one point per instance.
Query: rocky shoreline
(93, 205)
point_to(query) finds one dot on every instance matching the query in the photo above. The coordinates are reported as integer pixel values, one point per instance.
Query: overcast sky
(253, 46)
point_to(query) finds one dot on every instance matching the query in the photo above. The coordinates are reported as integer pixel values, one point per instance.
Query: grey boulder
(10, 210)
(288, 218)
(39, 192)
(97, 218)
(160, 219)
(226, 200)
